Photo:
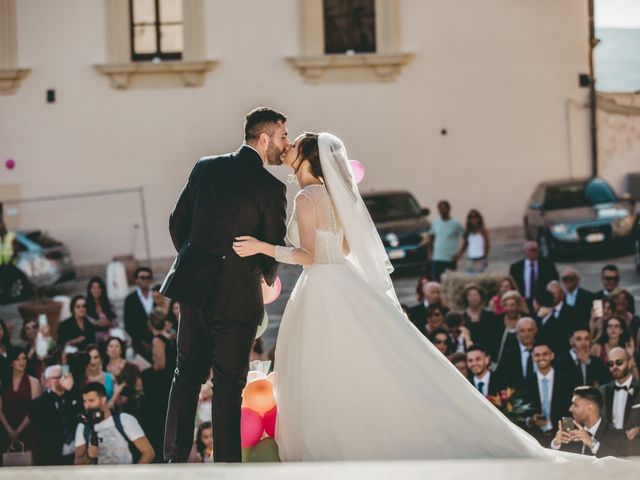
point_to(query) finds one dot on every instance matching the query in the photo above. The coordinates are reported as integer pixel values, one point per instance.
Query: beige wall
(500, 75)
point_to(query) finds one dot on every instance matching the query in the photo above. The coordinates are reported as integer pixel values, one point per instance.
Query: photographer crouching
(108, 438)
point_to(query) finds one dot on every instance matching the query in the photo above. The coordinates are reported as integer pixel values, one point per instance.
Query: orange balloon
(258, 395)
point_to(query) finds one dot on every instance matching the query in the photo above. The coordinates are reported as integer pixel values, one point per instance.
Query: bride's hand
(247, 246)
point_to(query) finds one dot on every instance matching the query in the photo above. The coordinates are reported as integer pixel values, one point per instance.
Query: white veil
(367, 252)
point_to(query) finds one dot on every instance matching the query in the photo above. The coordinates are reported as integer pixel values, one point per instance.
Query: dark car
(402, 225)
(578, 213)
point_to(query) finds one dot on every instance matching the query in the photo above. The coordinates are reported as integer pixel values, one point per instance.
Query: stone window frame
(382, 66)
(121, 70)
(11, 75)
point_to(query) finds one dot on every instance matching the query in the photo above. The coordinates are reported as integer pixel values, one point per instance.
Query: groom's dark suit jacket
(225, 197)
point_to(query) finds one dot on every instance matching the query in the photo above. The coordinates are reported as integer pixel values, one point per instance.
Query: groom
(219, 292)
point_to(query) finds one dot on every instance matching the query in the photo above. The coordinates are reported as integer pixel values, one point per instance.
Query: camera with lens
(92, 416)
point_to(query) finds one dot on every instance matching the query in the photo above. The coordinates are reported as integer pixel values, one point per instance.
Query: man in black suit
(219, 292)
(592, 434)
(485, 381)
(54, 416)
(611, 281)
(575, 296)
(532, 274)
(556, 320)
(137, 307)
(548, 392)
(431, 295)
(516, 363)
(622, 398)
(578, 363)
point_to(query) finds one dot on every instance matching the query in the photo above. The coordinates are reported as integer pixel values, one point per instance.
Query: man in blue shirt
(445, 241)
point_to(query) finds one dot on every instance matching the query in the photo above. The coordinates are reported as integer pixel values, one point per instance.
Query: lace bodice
(314, 230)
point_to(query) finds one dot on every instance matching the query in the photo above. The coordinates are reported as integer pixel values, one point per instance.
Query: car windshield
(575, 195)
(42, 239)
(385, 208)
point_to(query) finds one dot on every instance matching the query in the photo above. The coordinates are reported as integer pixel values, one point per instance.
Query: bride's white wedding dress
(355, 379)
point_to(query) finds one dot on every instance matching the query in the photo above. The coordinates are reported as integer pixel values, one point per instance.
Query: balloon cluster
(258, 419)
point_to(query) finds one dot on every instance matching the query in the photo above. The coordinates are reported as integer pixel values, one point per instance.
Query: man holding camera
(105, 438)
(588, 433)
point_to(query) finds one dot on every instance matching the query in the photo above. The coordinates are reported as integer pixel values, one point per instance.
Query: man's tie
(624, 387)
(532, 279)
(481, 387)
(546, 404)
(529, 368)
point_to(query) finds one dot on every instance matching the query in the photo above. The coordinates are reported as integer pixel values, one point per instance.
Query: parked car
(402, 225)
(578, 213)
(44, 260)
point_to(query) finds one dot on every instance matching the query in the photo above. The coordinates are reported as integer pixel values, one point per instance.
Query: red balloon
(251, 427)
(269, 420)
(10, 163)
(271, 294)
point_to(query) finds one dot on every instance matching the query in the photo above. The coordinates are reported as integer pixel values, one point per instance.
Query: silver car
(44, 260)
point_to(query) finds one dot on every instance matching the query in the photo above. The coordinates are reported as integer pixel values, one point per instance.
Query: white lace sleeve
(305, 216)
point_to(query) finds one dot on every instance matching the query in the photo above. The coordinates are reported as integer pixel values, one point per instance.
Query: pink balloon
(271, 294)
(251, 427)
(269, 420)
(358, 170)
(10, 163)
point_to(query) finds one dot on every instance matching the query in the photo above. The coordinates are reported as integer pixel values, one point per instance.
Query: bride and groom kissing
(355, 380)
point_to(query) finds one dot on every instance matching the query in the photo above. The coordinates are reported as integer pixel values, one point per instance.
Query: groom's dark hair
(259, 120)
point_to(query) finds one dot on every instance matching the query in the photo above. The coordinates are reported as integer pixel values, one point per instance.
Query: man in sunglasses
(622, 398)
(137, 307)
(611, 281)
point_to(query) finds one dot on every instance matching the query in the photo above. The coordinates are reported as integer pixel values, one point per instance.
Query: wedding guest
(159, 300)
(598, 319)
(173, 315)
(615, 334)
(578, 363)
(126, 374)
(475, 241)
(202, 451)
(622, 397)
(95, 373)
(556, 322)
(14, 403)
(610, 281)
(54, 416)
(442, 341)
(575, 296)
(504, 335)
(485, 381)
(100, 309)
(137, 307)
(506, 285)
(459, 361)
(446, 233)
(458, 332)
(157, 380)
(480, 321)
(5, 348)
(593, 435)
(620, 298)
(77, 330)
(435, 319)
(548, 392)
(532, 274)
(516, 363)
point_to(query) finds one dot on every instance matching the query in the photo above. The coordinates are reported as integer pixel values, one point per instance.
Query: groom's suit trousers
(205, 342)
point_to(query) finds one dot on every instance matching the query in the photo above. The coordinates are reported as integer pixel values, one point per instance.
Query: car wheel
(544, 244)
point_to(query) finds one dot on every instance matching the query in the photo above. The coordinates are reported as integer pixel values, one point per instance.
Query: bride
(355, 379)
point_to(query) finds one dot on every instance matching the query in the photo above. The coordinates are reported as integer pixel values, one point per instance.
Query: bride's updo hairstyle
(308, 150)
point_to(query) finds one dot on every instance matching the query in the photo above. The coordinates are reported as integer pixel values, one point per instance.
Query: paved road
(502, 256)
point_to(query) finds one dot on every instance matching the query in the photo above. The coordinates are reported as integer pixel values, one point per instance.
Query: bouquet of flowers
(512, 406)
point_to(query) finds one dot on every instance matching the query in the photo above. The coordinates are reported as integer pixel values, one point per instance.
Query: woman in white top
(475, 243)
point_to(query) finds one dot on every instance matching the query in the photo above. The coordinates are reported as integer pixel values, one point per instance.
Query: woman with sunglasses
(614, 334)
(475, 241)
(77, 330)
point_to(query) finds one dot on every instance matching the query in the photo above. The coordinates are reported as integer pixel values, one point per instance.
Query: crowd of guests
(565, 351)
(98, 375)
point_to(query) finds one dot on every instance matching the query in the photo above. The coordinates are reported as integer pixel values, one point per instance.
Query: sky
(617, 13)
